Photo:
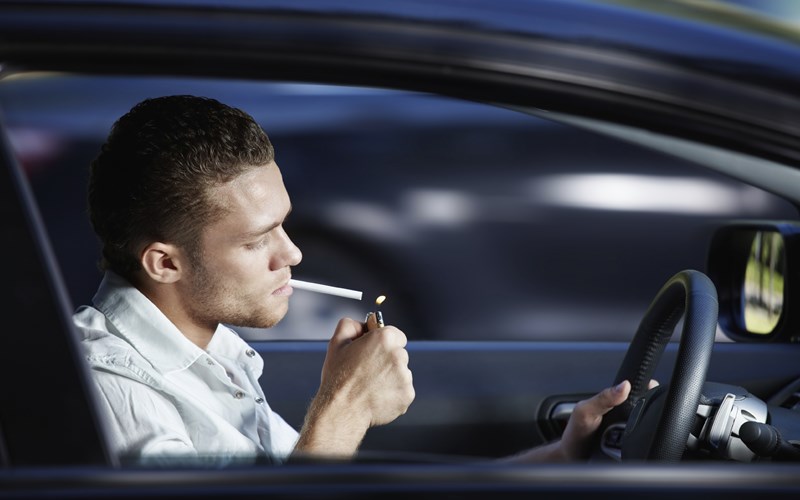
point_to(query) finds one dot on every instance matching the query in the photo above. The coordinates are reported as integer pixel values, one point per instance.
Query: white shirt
(164, 396)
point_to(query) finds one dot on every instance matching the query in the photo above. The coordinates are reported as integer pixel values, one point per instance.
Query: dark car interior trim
(58, 425)
(277, 44)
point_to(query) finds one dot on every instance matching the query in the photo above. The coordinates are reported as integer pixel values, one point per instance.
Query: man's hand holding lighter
(365, 382)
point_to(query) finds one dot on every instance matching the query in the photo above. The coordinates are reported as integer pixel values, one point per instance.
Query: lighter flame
(380, 300)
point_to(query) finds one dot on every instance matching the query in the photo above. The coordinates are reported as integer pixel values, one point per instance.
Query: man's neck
(199, 334)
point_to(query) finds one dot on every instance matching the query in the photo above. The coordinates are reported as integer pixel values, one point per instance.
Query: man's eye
(256, 244)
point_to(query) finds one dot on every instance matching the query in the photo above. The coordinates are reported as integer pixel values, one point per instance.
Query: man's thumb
(612, 397)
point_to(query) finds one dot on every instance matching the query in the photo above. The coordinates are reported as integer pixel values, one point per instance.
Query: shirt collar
(140, 323)
(227, 343)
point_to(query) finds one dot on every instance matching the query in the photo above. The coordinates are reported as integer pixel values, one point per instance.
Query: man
(189, 205)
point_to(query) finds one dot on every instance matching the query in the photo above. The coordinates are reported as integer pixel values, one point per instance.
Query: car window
(476, 222)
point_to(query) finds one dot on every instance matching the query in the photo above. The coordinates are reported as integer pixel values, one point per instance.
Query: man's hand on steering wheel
(576, 442)
(660, 427)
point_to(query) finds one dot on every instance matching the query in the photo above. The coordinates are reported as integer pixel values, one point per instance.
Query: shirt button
(250, 353)
(210, 361)
(260, 400)
(238, 395)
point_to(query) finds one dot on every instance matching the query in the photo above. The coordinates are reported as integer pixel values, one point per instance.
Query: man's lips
(284, 291)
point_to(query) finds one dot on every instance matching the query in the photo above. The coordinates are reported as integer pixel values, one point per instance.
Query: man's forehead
(254, 183)
(254, 199)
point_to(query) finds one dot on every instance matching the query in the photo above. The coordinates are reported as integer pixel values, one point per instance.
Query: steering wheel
(657, 422)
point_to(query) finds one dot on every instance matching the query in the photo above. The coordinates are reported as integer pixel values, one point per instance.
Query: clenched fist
(365, 382)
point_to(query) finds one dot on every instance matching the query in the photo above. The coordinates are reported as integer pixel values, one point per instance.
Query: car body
(522, 299)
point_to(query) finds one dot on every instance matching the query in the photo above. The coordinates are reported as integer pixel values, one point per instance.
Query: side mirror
(752, 265)
(763, 284)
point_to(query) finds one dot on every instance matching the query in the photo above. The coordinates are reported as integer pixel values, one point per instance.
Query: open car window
(510, 226)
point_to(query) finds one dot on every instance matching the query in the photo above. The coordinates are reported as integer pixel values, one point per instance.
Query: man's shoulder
(104, 349)
(96, 331)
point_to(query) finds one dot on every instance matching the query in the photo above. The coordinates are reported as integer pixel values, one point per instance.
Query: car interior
(479, 400)
(552, 196)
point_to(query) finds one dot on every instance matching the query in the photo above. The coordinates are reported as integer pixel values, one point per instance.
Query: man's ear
(162, 262)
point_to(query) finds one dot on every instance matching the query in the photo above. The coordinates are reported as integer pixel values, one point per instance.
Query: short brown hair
(151, 178)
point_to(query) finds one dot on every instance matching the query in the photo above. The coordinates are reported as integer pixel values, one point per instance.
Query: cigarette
(330, 290)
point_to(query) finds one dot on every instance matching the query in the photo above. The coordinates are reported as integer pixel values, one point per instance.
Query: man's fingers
(609, 398)
(612, 397)
(346, 331)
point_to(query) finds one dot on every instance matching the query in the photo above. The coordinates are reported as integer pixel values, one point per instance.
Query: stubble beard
(212, 302)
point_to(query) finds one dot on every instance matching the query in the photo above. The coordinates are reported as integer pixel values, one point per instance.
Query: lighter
(378, 313)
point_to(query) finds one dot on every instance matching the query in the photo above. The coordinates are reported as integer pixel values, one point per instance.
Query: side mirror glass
(763, 286)
(751, 265)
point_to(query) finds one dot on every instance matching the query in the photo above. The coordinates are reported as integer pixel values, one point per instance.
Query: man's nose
(288, 254)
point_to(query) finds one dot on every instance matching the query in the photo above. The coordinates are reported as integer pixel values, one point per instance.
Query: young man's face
(241, 276)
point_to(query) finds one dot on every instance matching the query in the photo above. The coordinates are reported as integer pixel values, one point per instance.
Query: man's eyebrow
(265, 230)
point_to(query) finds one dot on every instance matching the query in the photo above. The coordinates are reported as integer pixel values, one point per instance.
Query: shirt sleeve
(283, 437)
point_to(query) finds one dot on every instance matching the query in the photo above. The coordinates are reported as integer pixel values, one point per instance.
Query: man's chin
(264, 317)
(258, 322)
